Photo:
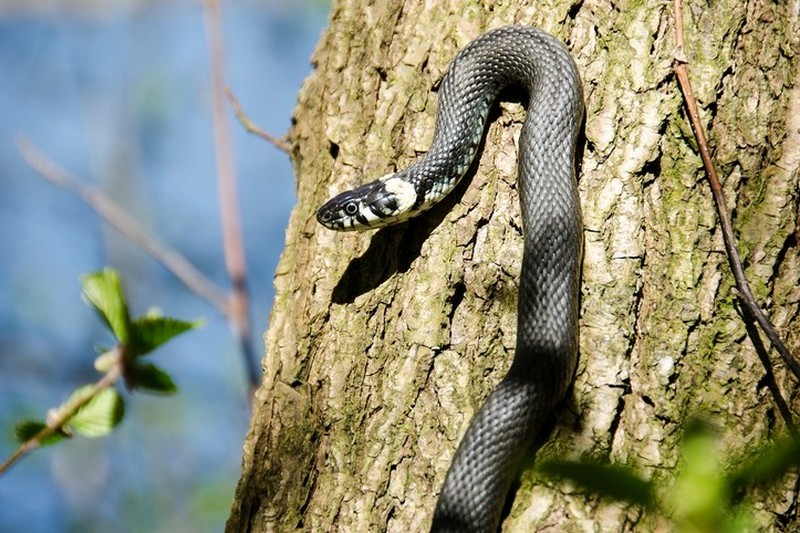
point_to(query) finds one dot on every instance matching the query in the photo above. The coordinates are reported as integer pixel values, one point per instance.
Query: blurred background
(117, 92)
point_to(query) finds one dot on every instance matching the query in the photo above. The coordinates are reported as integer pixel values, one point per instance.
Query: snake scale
(496, 440)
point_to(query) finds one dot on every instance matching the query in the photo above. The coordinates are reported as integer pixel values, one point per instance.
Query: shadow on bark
(394, 249)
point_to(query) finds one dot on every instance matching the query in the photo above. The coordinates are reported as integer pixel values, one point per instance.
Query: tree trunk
(381, 346)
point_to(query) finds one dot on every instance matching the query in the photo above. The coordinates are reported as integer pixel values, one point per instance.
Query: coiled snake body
(486, 461)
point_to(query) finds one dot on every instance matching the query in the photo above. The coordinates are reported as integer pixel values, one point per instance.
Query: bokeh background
(117, 92)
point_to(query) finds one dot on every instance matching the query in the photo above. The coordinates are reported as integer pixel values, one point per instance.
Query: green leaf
(770, 464)
(700, 497)
(28, 429)
(148, 332)
(100, 415)
(152, 379)
(606, 480)
(103, 291)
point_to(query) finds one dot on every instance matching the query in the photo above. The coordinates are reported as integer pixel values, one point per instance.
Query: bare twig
(769, 375)
(235, 261)
(745, 294)
(251, 127)
(125, 224)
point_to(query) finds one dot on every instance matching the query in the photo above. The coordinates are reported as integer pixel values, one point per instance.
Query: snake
(503, 430)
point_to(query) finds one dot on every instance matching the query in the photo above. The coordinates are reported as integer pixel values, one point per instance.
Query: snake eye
(351, 208)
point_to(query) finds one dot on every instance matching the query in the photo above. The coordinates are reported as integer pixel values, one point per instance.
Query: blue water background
(121, 99)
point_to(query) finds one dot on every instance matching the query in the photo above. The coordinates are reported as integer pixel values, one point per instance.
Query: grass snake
(496, 440)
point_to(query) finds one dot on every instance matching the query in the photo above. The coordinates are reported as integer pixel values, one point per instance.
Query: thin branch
(745, 294)
(235, 261)
(251, 127)
(125, 224)
(65, 413)
(769, 375)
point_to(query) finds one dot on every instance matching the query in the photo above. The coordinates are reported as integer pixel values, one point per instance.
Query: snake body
(489, 455)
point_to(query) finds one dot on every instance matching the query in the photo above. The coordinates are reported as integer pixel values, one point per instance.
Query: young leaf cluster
(94, 410)
(135, 338)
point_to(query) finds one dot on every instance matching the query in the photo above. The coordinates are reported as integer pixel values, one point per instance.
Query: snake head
(383, 202)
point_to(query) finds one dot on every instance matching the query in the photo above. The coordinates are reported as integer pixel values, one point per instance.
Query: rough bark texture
(382, 345)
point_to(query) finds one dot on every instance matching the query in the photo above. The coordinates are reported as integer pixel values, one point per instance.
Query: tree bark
(381, 346)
